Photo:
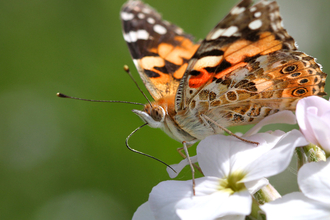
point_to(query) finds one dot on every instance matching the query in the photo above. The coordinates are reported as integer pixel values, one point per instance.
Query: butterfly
(245, 69)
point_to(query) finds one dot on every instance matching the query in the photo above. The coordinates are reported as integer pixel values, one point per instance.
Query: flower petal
(295, 206)
(282, 117)
(178, 167)
(218, 205)
(254, 186)
(321, 104)
(320, 131)
(168, 196)
(216, 154)
(277, 159)
(307, 107)
(314, 181)
(233, 217)
(143, 213)
(171, 199)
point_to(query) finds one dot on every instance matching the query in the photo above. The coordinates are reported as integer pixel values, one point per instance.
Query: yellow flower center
(232, 183)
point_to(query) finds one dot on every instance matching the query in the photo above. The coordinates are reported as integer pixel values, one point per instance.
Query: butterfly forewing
(160, 50)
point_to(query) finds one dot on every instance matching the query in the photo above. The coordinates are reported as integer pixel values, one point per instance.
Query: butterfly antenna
(126, 68)
(144, 154)
(61, 95)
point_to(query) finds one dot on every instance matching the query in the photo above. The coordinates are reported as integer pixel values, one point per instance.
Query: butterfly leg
(184, 157)
(185, 148)
(226, 130)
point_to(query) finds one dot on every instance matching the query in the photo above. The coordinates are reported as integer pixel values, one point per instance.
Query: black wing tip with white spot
(247, 21)
(144, 28)
(139, 12)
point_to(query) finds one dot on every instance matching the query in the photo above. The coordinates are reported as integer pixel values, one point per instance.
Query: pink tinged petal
(320, 131)
(303, 122)
(314, 181)
(143, 213)
(218, 205)
(275, 160)
(296, 206)
(282, 117)
(321, 104)
(326, 118)
(178, 167)
(306, 107)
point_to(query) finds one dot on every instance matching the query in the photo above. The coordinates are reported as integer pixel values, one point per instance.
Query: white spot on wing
(230, 31)
(217, 33)
(133, 36)
(257, 14)
(127, 38)
(142, 35)
(253, 9)
(265, 2)
(178, 31)
(237, 10)
(255, 24)
(274, 26)
(136, 62)
(141, 16)
(160, 29)
(126, 16)
(151, 20)
(224, 32)
(209, 61)
(146, 10)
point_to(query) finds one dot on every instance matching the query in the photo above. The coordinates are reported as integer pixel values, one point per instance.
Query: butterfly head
(153, 115)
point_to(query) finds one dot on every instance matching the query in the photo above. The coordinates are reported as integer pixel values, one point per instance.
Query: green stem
(309, 153)
(266, 194)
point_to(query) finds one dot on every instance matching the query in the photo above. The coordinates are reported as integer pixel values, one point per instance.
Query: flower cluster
(234, 185)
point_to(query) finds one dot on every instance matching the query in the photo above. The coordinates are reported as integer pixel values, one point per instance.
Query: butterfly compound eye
(158, 113)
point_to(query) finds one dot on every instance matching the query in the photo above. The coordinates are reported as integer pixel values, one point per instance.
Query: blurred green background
(66, 159)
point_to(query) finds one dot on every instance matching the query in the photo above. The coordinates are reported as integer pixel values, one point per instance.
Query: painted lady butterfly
(246, 68)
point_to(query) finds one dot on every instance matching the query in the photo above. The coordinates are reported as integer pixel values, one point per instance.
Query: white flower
(313, 202)
(281, 117)
(143, 213)
(233, 169)
(284, 117)
(313, 116)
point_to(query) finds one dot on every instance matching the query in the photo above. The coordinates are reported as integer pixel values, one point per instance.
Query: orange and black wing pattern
(247, 32)
(160, 50)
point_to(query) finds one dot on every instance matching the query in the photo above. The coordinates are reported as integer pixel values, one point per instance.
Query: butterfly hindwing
(268, 84)
(160, 50)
